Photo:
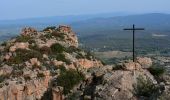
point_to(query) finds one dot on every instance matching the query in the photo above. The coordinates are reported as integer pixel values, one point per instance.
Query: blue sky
(18, 9)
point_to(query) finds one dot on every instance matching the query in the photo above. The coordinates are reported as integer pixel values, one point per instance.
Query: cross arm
(134, 29)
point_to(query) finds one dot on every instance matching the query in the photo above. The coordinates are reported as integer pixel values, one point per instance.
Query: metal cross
(134, 29)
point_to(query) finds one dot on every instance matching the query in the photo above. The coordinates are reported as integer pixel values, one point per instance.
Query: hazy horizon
(23, 9)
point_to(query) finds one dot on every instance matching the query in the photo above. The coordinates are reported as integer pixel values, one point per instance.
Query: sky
(20, 9)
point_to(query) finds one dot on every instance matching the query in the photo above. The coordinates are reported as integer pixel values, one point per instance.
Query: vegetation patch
(68, 79)
(2, 78)
(57, 48)
(145, 87)
(27, 78)
(58, 35)
(24, 55)
(72, 49)
(23, 38)
(61, 57)
(45, 50)
(40, 75)
(3, 44)
(49, 28)
(157, 70)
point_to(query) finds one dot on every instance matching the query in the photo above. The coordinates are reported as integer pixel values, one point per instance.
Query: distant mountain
(94, 24)
(14, 26)
(155, 22)
(56, 19)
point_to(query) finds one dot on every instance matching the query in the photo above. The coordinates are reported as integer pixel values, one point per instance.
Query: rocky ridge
(48, 65)
(30, 61)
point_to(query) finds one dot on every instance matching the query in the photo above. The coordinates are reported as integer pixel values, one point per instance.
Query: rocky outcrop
(49, 65)
(28, 31)
(20, 45)
(145, 62)
(108, 83)
(29, 63)
(30, 90)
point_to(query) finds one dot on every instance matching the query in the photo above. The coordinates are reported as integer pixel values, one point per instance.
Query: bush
(118, 67)
(4, 44)
(24, 55)
(48, 36)
(80, 56)
(40, 75)
(57, 48)
(61, 57)
(145, 87)
(2, 78)
(23, 38)
(34, 47)
(58, 35)
(68, 79)
(45, 50)
(156, 71)
(27, 78)
(31, 41)
(72, 49)
(49, 28)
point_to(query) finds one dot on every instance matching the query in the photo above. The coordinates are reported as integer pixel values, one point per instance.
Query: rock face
(145, 62)
(29, 63)
(107, 83)
(31, 90)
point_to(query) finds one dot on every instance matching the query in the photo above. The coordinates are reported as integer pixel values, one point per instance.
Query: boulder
(57, 63)
(5, 70)
(34, 61)
(144, 62)
(12, 48)
(131, 66)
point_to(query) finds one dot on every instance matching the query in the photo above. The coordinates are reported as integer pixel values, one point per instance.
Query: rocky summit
(48, 65)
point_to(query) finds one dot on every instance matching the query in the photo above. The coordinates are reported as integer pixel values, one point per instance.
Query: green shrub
(118, 67)
(58, 35)
(80, 56)
(145, 87)
(61, 57)
(31, 41)
(51, 27)
(156, 71)
(89, 56)
(57, 48)
(24, 55)
(45, 50)
(34, 47)
(72, 49)
(2, 78)
(4, 44)
(27, 78)
(48, 36)
(40, 75)
(69, 79)
(23, 38)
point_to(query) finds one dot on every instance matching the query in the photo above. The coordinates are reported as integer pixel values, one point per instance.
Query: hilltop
(49, 65)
